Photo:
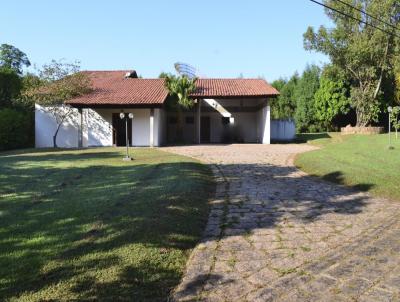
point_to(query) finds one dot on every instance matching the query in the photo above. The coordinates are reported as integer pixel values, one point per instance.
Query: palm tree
(179, 89)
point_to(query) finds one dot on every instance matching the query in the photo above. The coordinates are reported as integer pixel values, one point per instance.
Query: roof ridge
(104, 70)
(231, 79)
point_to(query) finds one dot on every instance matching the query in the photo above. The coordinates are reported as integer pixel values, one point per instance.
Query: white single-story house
(225, 110)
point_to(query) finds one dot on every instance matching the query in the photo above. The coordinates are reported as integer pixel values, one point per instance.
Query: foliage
(13, 58)
(397, 90)
(365, 54)
(164, 75)
(331, 99)
(181, 87)
(395, 119)
(304, 93)
(16, 129)
(30, 82)
(10, 86)
(57, 83)
(83, 225)
(284, 106)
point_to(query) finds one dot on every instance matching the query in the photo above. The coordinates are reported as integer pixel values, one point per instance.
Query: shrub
(16, 129)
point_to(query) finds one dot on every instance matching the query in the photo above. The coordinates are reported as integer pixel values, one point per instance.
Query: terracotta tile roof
(226, 88)
(112, 88)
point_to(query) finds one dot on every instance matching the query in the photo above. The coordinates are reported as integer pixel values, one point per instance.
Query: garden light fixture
(126, 117)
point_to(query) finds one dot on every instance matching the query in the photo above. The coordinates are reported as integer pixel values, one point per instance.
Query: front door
(119, 130)
(205, 129)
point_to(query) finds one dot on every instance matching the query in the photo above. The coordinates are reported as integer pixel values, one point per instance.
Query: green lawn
(360, 161)
(85, 225)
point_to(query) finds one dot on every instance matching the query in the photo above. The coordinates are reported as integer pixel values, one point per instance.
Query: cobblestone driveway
(276, 234)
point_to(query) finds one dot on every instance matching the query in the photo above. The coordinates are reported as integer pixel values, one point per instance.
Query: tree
(179, 89)
(304, 93)
(13, 58)
(10, 86)
(331, 99)
(284, 106)
(57, 83)
(395, 119)
(364, 53)
(164, 75)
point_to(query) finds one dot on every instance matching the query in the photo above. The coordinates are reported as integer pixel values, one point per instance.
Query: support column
(152, 127)
(198, 121)
(80, 128)
(266, 139)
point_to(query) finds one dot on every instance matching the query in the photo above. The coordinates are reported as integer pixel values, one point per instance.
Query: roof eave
(234, 96)
(113, 105)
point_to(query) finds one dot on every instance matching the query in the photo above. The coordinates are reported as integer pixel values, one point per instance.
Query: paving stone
(276, 234)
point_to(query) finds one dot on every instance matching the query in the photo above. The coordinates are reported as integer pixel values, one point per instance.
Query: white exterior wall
(160, 131)
(97, 128)
(45, 127)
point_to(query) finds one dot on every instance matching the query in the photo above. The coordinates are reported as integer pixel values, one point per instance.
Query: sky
(220, 38)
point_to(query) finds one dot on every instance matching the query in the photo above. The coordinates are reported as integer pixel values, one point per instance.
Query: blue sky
(221, 38)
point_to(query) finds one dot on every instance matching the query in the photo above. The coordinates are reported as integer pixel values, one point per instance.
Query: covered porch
(229, 120)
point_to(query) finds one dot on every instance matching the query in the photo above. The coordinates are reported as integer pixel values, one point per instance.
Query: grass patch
(85, 225)
(361, 161)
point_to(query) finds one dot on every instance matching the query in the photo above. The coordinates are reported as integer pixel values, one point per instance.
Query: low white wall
(97, 127)
(283, 130)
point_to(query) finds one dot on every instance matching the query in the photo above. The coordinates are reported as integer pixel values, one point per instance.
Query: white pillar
(80, 128)
(266, 135)
(198, 121)
(151, 127)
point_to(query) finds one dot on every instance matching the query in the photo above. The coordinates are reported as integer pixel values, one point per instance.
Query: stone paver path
(277, 234)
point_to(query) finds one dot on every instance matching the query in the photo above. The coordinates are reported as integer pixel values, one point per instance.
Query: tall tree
(10, 86)
(364, 53)
(332, 97)
(58, 82)
(304, 94)
(13, 58)
(284, 106)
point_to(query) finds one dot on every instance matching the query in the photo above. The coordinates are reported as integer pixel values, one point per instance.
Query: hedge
(16, 129)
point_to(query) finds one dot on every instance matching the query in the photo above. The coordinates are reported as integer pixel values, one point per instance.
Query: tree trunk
(55, 141)
(55, 136)
(378, 87)
(360, 118)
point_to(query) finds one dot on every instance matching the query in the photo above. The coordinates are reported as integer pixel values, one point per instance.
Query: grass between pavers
(85, 225)
(361, 161)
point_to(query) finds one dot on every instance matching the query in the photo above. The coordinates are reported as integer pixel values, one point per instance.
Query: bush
(16, 129)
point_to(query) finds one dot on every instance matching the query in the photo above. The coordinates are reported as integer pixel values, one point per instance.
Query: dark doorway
(205, 129)
(119, 136)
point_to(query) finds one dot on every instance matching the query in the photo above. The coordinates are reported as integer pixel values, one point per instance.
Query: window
(172, 120)
(225, 120)
(189, 120)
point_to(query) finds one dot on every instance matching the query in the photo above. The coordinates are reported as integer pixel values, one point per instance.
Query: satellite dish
(185, 69)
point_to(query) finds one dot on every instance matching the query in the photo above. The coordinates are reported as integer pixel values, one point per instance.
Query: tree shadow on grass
(118, 232)
(54, 219)
(306, 137)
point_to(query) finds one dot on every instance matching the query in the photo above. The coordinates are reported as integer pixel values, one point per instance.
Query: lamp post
(126, 117)
(390, 109)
